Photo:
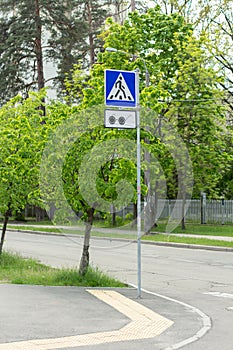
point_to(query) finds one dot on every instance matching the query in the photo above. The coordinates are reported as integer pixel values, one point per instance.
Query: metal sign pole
(138, 190)
(122, 90)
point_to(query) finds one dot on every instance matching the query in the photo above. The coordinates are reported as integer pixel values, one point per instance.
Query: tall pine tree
(33, 32)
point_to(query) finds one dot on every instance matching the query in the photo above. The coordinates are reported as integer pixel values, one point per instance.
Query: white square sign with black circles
(121, 119)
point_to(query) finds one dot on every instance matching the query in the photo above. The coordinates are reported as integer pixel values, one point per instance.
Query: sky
(151, 3)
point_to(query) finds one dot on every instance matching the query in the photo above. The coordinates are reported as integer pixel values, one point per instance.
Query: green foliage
(101, 178)
(24, 131)
(153, 36)
(22, 134)
(225, 183)
(183, 90)
(200, 117)
(91, 168)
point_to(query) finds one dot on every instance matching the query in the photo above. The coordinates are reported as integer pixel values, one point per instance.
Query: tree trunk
(90, 35)
(148, 221)
(38, 47)
(113, 212)
(84, 262)
(183, 223)
(40, 214)
(133, 5)
(154, 205)
(135, 211)
(183, 211)
(5, 222)
(38, 51)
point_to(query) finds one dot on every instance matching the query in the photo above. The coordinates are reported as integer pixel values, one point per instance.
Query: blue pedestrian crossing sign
(121, 88)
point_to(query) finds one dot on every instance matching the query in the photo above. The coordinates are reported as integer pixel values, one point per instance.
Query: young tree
(92, 170)
(21, 139)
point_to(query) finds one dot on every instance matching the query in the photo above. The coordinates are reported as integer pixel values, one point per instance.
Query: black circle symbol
(112, 119)
(121, 120)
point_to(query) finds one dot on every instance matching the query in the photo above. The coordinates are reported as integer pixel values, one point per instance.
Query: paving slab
(38, 317)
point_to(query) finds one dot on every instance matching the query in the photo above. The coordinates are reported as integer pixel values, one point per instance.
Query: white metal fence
(209, 212)
(196, 211)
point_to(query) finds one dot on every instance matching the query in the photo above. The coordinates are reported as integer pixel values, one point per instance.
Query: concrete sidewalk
(43, 318)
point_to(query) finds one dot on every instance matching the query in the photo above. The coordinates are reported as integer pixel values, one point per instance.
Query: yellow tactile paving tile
(143, 324)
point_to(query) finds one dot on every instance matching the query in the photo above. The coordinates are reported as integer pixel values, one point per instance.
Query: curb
(162, 244)
(190, 246)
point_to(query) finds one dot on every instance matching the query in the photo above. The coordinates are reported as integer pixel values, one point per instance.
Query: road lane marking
(230, 308)
(144, 324)
(220, 295)
(206, 321)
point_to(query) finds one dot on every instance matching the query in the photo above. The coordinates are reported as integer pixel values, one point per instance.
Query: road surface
(202, 279)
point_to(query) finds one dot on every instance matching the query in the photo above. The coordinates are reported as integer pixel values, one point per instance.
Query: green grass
(187, 240)
(77, 231)
(18, 270)
(198, 229)
(35, 228)
(30, 221)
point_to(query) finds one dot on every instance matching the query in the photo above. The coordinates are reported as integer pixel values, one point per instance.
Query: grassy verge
(187, 240)
(198, 229)
(77, 231)
(212, 230)
(191, 229)
(36, 228)
(15, 269)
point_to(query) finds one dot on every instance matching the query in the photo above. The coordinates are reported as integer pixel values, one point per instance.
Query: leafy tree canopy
(183, 87)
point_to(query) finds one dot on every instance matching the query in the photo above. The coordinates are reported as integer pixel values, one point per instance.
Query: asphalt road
(197, 278)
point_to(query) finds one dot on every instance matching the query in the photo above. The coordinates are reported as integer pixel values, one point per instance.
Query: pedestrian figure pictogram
(120, 90)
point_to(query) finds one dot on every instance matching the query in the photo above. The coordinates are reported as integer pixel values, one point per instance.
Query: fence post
(203, 208)
(222, 210)
(169, 208)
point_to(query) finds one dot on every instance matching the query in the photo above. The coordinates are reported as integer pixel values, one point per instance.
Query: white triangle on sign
(120, 90)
